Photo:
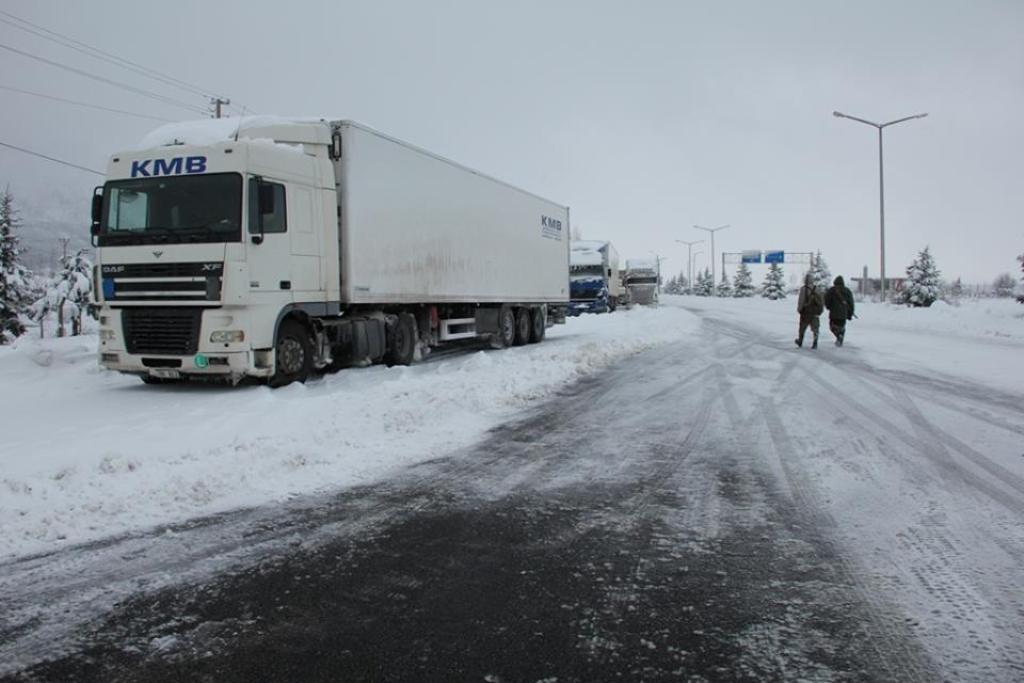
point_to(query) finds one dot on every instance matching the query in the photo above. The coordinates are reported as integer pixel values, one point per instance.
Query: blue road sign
(774, 257)
(751, 256)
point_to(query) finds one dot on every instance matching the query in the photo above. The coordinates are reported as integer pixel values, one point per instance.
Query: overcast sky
(644, 117)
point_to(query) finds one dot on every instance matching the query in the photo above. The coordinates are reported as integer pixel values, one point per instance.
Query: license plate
(164, 373)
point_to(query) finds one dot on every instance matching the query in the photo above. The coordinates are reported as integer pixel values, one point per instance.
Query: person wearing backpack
(809, 305)
(839, 302)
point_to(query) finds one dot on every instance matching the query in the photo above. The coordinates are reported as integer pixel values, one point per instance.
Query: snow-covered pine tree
(673, 286)
(956, 290)
(743, 283)
(14, 277)
(724, 288)
(774, 286)
(1004, 285)
(820, 271)
(922, 286)
(705, 284)
(67, 295)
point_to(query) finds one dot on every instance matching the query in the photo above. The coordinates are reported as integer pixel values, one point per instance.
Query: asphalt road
(647, 524)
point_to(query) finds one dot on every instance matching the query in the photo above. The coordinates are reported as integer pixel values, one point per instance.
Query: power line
(83, 104)
(49, 158)
(160, 98)
(97, 53)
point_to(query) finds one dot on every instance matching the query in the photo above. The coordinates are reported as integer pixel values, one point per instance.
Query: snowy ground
(88, 453)
(895, 462)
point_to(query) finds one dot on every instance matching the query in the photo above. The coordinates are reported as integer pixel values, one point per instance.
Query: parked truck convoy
(288, 246)
(595, 284)
(641, 282)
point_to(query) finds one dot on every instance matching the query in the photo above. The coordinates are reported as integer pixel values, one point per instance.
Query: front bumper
(205, 359)
(588, 306)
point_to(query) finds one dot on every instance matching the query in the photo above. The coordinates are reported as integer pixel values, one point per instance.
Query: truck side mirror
(97, 214)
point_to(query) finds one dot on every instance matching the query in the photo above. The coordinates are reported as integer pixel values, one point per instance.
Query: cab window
(276, 219)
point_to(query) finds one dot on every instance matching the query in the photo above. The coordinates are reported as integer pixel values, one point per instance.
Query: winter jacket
(810, 301)
(839, 301)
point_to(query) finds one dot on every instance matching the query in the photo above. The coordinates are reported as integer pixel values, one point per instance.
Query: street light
(658, 260)
(689, 260)
(712, 231)
(881, 183)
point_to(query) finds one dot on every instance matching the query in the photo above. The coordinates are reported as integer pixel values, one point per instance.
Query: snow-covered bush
(724, 289)
(774, 285)
(922, 286)
(1003, 286)
(67, 295)
(743, 283)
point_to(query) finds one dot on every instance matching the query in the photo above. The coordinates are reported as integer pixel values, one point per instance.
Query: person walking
(809, 305)
(839, 302)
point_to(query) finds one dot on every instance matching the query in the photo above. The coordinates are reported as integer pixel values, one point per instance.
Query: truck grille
(161, 330)
(199, 282)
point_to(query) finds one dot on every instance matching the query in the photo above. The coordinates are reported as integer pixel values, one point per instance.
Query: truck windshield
(172, 210)
(588, 270)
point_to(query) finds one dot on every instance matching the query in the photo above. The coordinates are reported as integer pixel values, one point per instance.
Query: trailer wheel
(293, 354)
(506, 335)
(538, 326)
(402, 350)
(522, 334)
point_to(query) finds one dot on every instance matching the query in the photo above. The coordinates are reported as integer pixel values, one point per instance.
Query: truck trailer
(595, 284)
(274, 248)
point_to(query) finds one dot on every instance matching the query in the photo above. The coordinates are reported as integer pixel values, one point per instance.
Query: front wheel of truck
(293, 354)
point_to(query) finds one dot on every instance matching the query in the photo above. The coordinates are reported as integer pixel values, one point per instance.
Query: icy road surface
(723, 507)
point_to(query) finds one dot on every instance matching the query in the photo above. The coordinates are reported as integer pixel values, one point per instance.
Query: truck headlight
(227, 336)
(107, 335)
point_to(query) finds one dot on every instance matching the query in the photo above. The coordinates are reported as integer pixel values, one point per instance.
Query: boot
(814, 345)
(799, 342)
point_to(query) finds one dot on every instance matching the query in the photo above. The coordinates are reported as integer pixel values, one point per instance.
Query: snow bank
(87, 453)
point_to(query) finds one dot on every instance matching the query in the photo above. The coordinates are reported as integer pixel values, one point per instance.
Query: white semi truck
(277, 248)
(642, 282)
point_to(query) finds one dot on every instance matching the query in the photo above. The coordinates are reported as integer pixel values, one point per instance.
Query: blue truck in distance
(595, 285)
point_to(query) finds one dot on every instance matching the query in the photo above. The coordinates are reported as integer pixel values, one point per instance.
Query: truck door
(268, 250)
(305, 243)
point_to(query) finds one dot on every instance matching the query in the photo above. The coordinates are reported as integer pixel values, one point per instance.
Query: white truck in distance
(641, 281)
(272, 248)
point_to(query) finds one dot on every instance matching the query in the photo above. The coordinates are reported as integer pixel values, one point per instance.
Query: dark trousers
(838, 328)
(806, 321)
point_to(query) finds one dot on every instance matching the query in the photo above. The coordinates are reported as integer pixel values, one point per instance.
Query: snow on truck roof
(640, 264)
(273, 129)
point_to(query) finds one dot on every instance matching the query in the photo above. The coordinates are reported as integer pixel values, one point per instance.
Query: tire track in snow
(907, 664)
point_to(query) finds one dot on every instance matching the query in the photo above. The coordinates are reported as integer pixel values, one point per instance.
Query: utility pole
(64, 247)
(881, 181)
(689, 261)
(216, 103)
(712, 231)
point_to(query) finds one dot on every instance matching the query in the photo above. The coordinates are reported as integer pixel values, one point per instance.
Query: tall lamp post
(712, 231)
(658, 260)
(881, 182)
(689, 261)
